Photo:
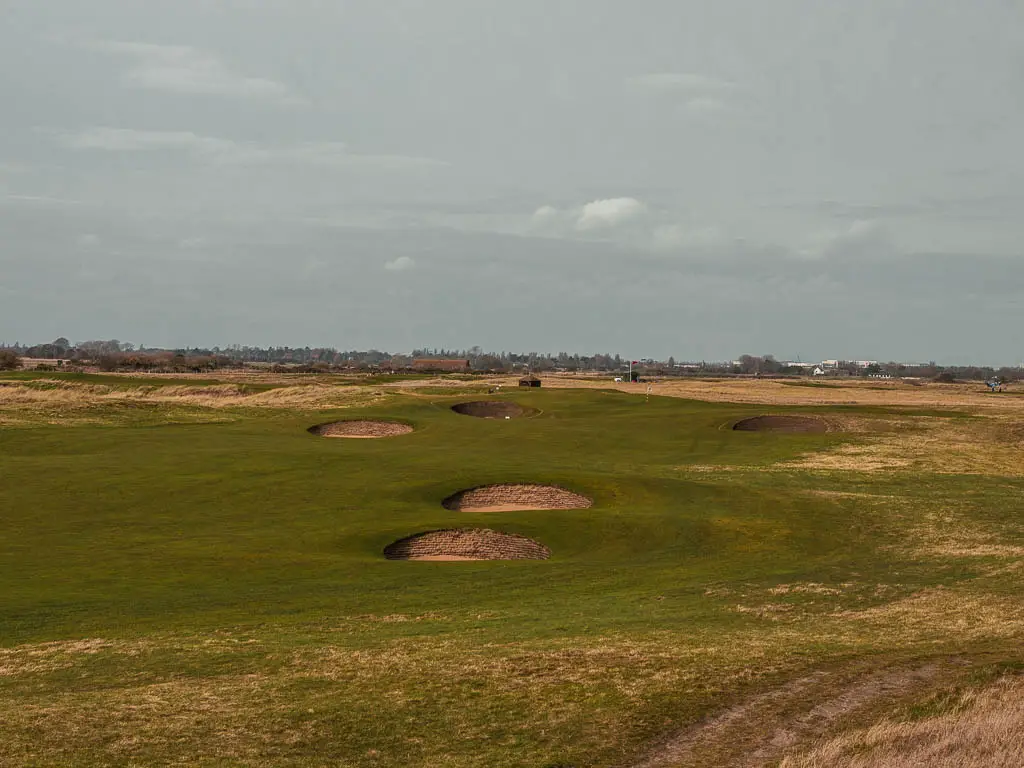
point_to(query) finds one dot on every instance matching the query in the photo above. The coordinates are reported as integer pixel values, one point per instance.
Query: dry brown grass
(985, 729)
(260, 693)
(981, 446)
(936, 615)
(60, 395)
(839, 392)
(48, 657)
(947, 533)
(941, 529)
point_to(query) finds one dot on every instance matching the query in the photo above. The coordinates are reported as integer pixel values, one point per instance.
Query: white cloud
(545, 214)
(699, 96)
(183, 69)
(401, 264)
(229, 152)
(128, 140)
(676, 237)
(861, 238)
(705, 106)
(41, 200)
(613, 212)
(675, 82)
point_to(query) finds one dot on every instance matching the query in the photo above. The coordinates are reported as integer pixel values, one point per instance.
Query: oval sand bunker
(793, 424)
(361, 429)
(466, 544)
(490, 409)
(511, 497)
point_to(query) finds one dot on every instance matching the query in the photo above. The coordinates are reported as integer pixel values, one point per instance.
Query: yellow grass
(838, 392)
(985, 729)
(70, 395)
(239, 716)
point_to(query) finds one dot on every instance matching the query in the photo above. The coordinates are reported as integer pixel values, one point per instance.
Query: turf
(249, 549)
(191, 520)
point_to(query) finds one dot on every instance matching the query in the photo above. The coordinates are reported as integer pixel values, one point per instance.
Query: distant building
(529, 381)
(447, 366)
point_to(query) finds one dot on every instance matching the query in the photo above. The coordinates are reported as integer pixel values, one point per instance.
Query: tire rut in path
(753, 733)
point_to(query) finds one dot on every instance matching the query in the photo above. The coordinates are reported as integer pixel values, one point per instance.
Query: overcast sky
(688, 177)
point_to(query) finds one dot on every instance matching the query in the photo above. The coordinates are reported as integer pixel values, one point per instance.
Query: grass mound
(512, 497)
(466, 544)
(491, 409)
(793, 424)
(361, 429)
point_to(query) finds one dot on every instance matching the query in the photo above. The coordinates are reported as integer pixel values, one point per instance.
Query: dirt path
(761, 730)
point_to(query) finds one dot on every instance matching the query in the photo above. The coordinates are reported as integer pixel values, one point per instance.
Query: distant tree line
(115, 355)
(767, 365)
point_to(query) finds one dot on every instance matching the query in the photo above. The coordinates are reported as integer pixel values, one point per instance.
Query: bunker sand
(491, 409)
(791, 424)
(361, 429)
(515, 497)
(466, 544)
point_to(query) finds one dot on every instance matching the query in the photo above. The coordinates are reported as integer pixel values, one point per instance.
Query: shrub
(9, 360)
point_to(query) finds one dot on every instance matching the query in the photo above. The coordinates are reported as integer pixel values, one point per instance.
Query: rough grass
(215, 594)
(979, 728)
(871, 393)
(990, 446)
(109, 399)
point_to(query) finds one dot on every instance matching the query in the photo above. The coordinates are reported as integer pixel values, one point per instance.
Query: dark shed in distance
(529, 381)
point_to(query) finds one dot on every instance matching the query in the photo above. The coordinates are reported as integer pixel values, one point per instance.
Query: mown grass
(234, 573)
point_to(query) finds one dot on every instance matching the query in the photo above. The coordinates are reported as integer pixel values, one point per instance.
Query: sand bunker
(805, 424)
(361, 429)
(514, 497)
(466, 544)
(491, 409)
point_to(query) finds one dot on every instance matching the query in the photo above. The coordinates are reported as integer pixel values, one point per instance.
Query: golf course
(194, 572)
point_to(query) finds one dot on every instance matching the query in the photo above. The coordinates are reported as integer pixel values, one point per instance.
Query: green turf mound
(466, 544)
(511, 497)
(361, 428)
(491, 409)
(792, 424)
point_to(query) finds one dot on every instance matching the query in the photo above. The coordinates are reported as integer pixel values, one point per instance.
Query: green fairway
(267, 541)
(200, 524)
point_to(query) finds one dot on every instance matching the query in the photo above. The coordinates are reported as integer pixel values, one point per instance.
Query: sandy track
(760, 731)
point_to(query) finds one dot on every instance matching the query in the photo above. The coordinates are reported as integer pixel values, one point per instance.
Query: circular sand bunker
(466, 544)
(361, 429)
(792, 424)
(491, 409)
(514, 497)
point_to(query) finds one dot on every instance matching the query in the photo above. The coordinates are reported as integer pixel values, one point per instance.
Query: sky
(660, 177)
